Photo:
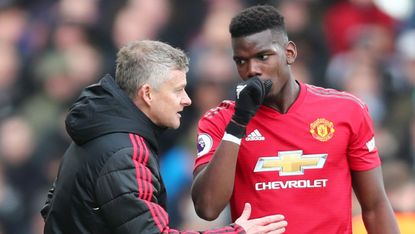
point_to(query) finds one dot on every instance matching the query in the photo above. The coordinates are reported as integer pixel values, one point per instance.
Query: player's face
(169, 100)
(261, 55)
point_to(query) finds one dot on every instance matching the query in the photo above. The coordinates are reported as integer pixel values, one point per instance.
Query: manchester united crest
(322, 129)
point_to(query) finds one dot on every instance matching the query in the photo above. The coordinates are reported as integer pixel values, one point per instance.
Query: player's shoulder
(226, 106)
(340, 98)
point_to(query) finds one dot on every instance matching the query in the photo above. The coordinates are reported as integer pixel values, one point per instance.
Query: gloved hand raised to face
(249, 96)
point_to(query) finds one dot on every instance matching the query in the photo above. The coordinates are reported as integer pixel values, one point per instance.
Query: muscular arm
(213, 183)
(377, 212)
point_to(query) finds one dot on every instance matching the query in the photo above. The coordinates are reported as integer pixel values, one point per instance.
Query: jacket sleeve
(126, 193)
(45, 209)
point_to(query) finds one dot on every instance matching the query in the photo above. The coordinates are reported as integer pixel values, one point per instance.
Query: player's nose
(254, 69)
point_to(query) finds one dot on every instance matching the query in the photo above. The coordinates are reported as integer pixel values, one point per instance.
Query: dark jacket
(109, 179)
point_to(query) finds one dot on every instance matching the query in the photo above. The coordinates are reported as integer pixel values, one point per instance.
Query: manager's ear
(145, 94)
(291, 52)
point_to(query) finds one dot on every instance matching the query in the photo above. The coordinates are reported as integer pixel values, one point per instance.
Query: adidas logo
(255, 136)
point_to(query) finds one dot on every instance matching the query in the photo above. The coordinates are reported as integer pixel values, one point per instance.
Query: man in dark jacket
(109, 179)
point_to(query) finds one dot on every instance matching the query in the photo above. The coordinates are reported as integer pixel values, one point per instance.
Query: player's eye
(239, 61)
(263, 57)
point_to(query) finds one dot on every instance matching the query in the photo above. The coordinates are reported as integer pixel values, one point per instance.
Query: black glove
(249, 96)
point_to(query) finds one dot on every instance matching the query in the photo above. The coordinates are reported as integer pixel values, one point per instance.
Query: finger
(268, 219)
(246, 213)
(279, 231)
(278, 227)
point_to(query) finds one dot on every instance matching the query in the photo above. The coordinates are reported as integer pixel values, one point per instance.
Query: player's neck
(283, 101)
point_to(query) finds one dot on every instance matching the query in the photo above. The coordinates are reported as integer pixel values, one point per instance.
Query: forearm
(377, 212)
(380, 220)
(213, 185)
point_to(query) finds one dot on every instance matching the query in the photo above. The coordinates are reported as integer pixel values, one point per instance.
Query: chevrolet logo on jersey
(290, 162)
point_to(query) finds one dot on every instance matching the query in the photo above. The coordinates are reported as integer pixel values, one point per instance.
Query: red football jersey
(298, 164)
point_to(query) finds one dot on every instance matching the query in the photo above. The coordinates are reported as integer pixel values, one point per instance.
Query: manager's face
(169, 100)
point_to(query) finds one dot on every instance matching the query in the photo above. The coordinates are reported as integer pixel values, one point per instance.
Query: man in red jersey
(292, 147)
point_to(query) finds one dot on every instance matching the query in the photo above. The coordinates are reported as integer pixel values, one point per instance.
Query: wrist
(237, 227)
(243, 121)
(231, 138)
(235, 129)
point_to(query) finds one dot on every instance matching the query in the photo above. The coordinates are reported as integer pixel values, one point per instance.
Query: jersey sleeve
(362, 151)
(211, 128)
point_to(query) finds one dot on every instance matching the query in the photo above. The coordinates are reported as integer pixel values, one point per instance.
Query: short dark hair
(256, 19)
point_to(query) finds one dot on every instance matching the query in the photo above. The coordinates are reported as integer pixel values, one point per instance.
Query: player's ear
(291, 52)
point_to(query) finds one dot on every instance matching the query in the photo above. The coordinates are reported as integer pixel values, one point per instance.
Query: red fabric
(343, 22)
(328, 127)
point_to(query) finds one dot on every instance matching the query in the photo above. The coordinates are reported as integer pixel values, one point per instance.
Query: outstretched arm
(126, 199)
(377, 212)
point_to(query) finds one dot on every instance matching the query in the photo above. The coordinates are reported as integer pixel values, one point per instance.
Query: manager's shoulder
(334, 96)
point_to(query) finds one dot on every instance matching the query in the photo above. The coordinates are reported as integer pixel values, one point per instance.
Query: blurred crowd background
(51, 49)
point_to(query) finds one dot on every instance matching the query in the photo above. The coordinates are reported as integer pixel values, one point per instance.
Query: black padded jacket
(109, 179)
